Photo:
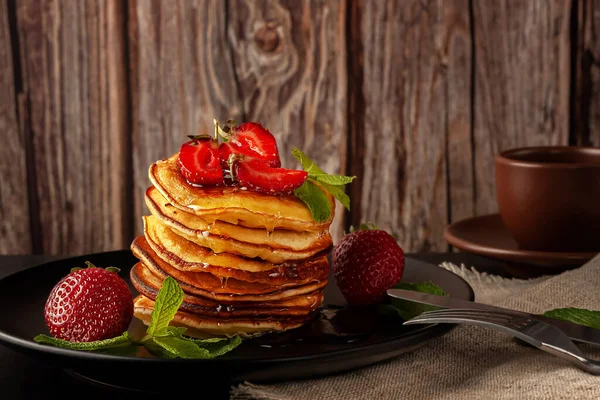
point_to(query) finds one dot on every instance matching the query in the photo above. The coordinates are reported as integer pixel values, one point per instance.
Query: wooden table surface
(22, 377)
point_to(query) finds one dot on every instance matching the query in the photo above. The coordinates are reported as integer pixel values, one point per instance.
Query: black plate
(294, 355)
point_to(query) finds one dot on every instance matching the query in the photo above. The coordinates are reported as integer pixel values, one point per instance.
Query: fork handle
(578, 361)
(581, 362)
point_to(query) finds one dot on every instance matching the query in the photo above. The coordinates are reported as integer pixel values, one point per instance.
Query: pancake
(203, 327)
(187, 256)
(148, 284)
(232, 204)
(208, 286)
(277, 246)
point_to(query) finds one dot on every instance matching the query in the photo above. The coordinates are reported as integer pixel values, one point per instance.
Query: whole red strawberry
(89, 304)
(365, 264)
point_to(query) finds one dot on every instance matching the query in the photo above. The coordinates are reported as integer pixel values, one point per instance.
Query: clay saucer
(486, 236)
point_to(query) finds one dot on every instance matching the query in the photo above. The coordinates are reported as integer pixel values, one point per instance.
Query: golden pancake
(208, 286)
(222, 237)
(232, 204)
(188, 256)
(203, 327)
(148, 284)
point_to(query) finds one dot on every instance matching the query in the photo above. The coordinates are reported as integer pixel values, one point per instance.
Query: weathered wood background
(412, 96)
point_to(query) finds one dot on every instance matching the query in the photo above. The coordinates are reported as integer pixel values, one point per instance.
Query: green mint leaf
(218, 346)
(157, 350)
(334, 180)
(167, 303)
(208, 340)
(181, 347)
(307, 164)
(316, 200)
(317, 173)
(334, 184)
(407, 309)
(579, 316)
(119, 341)
(170, 331)
(339, 194)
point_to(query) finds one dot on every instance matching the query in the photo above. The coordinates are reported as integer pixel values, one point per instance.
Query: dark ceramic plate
(358, 339)
(486, 235)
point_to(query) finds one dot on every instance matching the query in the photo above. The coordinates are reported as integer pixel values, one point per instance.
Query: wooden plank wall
(414, 97)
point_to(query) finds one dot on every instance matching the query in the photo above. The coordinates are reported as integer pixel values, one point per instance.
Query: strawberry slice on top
(259, 176)
(199, 161)
(253, 140)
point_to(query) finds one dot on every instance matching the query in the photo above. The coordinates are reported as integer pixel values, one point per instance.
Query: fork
(537, 333)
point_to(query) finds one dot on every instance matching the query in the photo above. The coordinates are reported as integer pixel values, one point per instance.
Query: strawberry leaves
(364, 227)
(311, 192)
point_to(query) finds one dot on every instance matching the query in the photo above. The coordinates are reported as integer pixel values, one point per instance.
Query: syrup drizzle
(331, 324)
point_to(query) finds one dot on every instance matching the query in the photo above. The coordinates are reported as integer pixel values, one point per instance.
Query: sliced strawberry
(257, 175)
(199, 161)
(253, 140)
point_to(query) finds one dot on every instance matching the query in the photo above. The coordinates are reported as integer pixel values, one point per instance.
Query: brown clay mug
(549, 197)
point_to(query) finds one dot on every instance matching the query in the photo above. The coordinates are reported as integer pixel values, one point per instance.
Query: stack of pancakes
(248, 263)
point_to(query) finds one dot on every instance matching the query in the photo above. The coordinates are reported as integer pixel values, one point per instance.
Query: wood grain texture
(181, 78)
(15, 235)
(72, 57)
(455, 46)
(356, 110)
(522, 65)
(290, 63)
(586, 102)
(415, 97)
(407, 96)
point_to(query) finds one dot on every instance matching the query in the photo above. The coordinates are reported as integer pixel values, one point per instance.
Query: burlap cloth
(470, 362)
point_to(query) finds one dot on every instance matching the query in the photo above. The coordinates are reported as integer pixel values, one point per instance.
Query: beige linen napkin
(469, 362)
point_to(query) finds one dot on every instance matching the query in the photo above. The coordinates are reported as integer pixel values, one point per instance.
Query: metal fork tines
(537, 333)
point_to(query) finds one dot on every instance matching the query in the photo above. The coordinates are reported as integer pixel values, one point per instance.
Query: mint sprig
(338, 193)
(307, 164)
(316, 182)
(170, 341)
(168, 300)
(180, 347)
(119, 341)
(406, 309)
(332, 180)
(315, 199)
(161, 339)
